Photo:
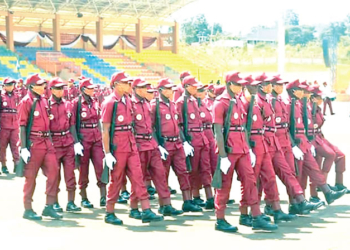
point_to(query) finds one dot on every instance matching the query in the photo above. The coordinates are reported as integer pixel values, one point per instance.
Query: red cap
(304, 85)
(71, 80)
(150, 89)
(233, 76)
(86, 83)
(219, 90)
(270, 79)
(81, 77)
(190, 80)
(20, 80)
(278, 80)
(251, 81)
(35, 79)
(315, 89)
(184, 74)
(202, 86)
(119, 77)
(211, 87)
(261, 77)
(139, 82)
(9, 80)
(56, 82)
(165, 83)
(293, 84)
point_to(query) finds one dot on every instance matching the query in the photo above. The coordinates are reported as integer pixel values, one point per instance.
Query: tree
(300, 35)
(291, 18)
(197, 29)
(336, 30)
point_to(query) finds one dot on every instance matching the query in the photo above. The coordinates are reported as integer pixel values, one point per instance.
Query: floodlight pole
(333, 59)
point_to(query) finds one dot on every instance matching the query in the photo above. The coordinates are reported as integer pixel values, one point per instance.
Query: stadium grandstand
(94, 38)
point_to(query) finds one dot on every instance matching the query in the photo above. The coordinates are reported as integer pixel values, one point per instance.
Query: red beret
(261, 77)
(35, 79)
(119, 77)
(20, 80)
(9, 80)
(219, 90)
(190, 80)
(165, 83)
(184, 74)
(86, 83)
(139, 82)
(293, 84)
(233, 76)
(56, 82)
(304, 85)
(81, 77)
(251, 81)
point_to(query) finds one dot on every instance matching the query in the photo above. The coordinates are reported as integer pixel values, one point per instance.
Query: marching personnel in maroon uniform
(180, 87)
(151, 154)
(306, 162)
(64, 139)
(200, 159)
(326, 153)
(72, 90)
(210, 98)
(235, 154)
(123, 158)
(21, 90)
(9, 123)
(37, 150)
(168, 129)
(89, 134)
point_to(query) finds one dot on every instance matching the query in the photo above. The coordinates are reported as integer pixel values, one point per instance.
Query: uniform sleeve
(218, 113)
(153, 113)
(179, 106)
(72, 119)
(23, 112)
(107, 111)
(74, 105)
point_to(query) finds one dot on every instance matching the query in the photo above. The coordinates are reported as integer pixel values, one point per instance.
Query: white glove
(78, 149)
(313, 151)
(189, 150)
(298, 154)
(25, 154)
(163, 153)
(110, 161)
(225, 164)
(252, 157)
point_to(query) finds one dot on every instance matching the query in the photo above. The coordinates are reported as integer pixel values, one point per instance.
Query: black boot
(334, 195)
(198, 201)
(148, 216)
(103, 201)
(85, 203)
(224, 226)
(301, 208)
(121, 200)
(29, 214)
(245, 220)
(151, 197)
(230, 202)
(135, 213)
(341, 187)
(279, 216)
(169, 210)
(110, 218)
(50, 212)
(316, 202)
(259, 223)
(172, 191)
(125, 195)
(71, 207)
(268, 210)
(5, 170)
(210, 204)
(190, 206)
(57, 207)
(151, 190)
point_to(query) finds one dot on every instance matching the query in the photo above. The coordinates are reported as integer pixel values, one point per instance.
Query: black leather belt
(144, 136)
(311, 130)
(257, 132)
(123, 128)
(317, 131)
(208, 126)
(40, 133)
(270, 129)
(89, 125)
(196, 129)
(171, 138)
(60, 133)
(8, 110)
(237, 129)
(300, 131)
(282, 125)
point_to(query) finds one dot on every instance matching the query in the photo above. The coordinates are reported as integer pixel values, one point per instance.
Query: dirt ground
(327, 228)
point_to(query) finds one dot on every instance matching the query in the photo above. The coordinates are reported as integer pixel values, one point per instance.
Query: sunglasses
(9, 84)
(57, 88)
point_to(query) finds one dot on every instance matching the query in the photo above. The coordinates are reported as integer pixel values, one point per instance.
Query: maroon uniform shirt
(8, 110)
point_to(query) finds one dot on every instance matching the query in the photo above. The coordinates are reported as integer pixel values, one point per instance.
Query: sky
(241, 15)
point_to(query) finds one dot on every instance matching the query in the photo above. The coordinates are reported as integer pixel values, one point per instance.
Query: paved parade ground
(327, 228)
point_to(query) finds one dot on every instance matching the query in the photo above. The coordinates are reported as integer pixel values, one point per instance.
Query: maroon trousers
(212, 155)
(177, 160)
(152, 163)
(201, 169)
(241, 163)
(46, 160)
(127, 163)
(9, 137)
(65, 156)
(93, 151)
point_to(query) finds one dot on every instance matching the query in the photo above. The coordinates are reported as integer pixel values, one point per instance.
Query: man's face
(149, 96)
(192, 90)
(200, 95)
(9, 87)
(39, 89)
(266, 88)
(211, 94)
(70, 84)
(123, 87)
(89, 92)
(299, 93)
(19, 84)
(141, 91)
(236, 88)
(168, 93)
(57, 91)
(278, 88)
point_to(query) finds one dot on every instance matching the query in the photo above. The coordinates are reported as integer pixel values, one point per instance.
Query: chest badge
(176, 116)
(255, 117)
(269, 118)
(139, 117)
(192, 116)
(168, 116)
(278, 119)
(5, 104)
(120, 118)
(69, 114)
(83, 114)
(51, 117)
(315, 125)
(308, 121)
(202, 114)
(235, 116)
(36, 113)
(299, 120)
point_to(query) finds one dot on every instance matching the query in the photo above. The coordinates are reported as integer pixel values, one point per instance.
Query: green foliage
(291, 18)
(299, 35)
(336, 30)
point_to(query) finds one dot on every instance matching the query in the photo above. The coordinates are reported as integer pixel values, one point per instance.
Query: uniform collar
(54, 101)
(137, 99)
(33, 95)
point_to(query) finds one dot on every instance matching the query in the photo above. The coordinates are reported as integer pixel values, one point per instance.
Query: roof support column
(9, 32)
(56, 33)
(139, 42)
(176, 38)
(99, 35)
